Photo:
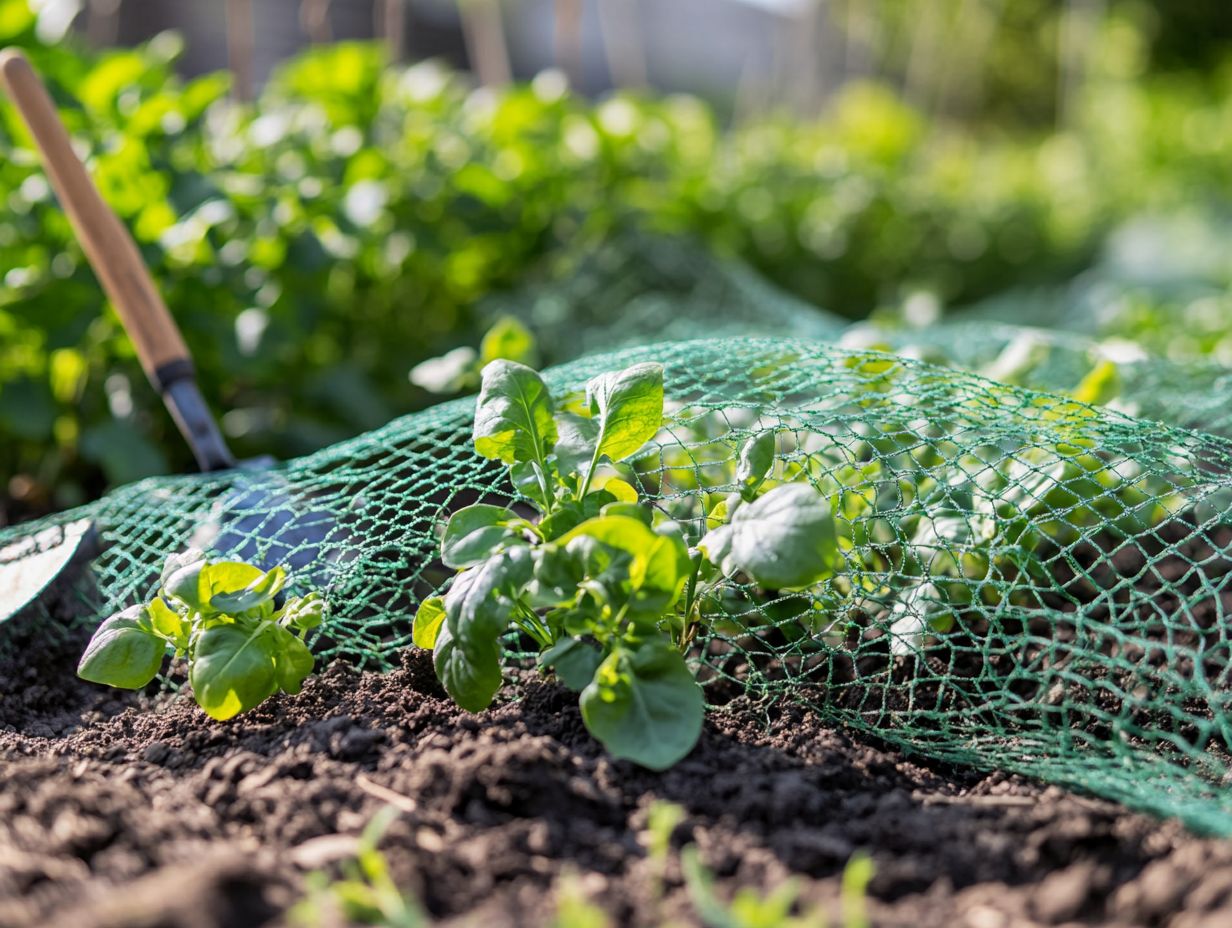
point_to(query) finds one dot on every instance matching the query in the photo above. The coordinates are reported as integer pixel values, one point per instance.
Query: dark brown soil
(135, 810)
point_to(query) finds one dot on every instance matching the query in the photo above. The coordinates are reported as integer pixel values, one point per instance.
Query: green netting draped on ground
(1031, 584)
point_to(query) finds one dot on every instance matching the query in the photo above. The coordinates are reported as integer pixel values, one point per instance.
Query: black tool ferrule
(173, 372)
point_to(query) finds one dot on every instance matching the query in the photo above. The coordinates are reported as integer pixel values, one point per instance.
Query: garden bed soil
(135, 810)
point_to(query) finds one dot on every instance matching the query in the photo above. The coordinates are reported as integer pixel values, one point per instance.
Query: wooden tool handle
(111, 250)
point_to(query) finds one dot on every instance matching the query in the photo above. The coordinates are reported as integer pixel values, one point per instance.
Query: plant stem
(530, 624)
(590, 471)
(690, 597)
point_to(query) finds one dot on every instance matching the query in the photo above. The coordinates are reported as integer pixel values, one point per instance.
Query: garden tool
(115, 259)
(164, 356)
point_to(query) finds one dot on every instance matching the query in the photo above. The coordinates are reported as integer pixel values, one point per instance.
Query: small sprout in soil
(604, 584)
(225, 619)
(748, 908)
(365, 894)
(574, 908)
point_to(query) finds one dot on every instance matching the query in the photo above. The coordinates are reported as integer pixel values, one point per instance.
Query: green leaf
(232, 670)
(756, 459)
(628, 406)
(479, 605)
(644, 705)
(558, 570)
(659, 564)
(428, 620)
(168, 623)
(783, 539)
(575, 661)
(474, 533)
(643, 514)
(577, 437)
(236, 587)
(569, 515)
(716, 544)
(124, 651)
(510, 340)
(293, 660)
(183, 579)
(471, 676)
(303, 612)
(624, 491)
(527, 481)
(513, 418)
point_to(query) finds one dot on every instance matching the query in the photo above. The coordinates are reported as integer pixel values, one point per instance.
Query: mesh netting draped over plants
(1030, 583)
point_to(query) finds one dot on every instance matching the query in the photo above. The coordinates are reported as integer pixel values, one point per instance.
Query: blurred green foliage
(317, 245)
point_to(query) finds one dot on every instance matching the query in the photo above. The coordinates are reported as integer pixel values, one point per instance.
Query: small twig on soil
(1008, 802)
(385, 794)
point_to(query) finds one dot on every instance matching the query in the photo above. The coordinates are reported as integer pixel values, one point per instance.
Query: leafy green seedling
(224, 618)
(750, 909)
(604, 584)
(366, 894)
(857, 875)
(574, 909)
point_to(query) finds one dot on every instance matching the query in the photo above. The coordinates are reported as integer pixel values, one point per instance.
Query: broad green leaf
(292, 659)
(722, 511)
(232, 670)
(716, 544)
(183, 579)
(479, 605)
(644, 705)
(470, 676)
(628, 406)
(783, 539)
(577, 437)
(168, 623)
(558, 569)
(513, 418)
(474, 533)
(624, 491)
(530, 480)
(666, 566)
(659, 563)
(124, 651)
(236, 587)
(756, 459)
(919, 611)
(643, 514)
(575, 662)
(569, 515)
(510, 340)
(303, 612)
(428, 620)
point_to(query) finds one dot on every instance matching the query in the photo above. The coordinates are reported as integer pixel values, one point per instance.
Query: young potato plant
(603, 582)
(224, 618)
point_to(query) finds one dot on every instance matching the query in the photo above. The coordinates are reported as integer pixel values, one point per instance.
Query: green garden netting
(1031, 584)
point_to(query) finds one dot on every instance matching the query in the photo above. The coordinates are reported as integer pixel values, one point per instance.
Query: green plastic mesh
(1193, 394)
(636, 288)
(1031, 584)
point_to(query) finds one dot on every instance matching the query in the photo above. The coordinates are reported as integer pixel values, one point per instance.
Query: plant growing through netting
(241, 645)
(1027, 583)
(603, 583)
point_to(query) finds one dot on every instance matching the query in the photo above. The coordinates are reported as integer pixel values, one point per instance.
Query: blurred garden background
(332, 192)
